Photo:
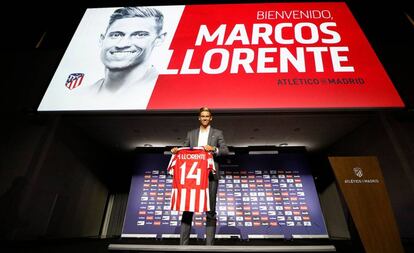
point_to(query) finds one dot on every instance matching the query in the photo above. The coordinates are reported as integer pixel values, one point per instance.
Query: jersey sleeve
(210, 163)
(171, 164)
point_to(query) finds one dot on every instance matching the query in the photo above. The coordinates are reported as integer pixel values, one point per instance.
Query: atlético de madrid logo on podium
(358, 171)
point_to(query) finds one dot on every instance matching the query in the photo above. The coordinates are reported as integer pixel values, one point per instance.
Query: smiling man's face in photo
(128, 42)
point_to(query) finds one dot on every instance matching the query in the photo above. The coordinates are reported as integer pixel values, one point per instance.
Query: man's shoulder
(215, 130)
(195, 130)
(97, 86)
(92, 88)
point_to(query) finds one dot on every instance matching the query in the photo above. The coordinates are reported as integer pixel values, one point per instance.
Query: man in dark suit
(211, 140)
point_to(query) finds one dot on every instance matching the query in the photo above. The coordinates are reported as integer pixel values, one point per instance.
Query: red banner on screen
(281, 55)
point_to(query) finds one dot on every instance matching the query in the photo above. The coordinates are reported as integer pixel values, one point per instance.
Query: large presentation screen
(230, 56)
(259, 197)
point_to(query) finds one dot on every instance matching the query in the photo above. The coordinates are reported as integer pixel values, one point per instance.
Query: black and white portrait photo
(113, 60)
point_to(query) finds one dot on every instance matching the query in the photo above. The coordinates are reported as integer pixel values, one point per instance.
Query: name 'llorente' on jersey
(190, 168)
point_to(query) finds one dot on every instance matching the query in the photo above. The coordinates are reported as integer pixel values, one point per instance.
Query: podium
(362, 185)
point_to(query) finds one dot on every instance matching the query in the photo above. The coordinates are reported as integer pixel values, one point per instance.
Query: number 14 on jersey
(193, 173)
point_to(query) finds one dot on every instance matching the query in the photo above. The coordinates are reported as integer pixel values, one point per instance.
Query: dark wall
(51, 183)
(389, 137)
(50, 187)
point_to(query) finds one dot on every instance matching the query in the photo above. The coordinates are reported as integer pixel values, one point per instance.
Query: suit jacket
(215, 138)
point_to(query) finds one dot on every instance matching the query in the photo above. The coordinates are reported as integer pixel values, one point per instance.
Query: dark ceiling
(313, 130)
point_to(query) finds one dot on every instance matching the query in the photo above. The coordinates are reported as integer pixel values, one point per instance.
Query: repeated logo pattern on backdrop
(249, 202)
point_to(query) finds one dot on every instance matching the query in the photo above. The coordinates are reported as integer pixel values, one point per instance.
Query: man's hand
(174, 150)
(209, 148)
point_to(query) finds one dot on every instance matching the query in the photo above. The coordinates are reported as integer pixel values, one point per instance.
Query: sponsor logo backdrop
(258, 195)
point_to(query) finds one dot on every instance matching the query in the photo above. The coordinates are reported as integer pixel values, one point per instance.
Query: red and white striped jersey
(190, 169)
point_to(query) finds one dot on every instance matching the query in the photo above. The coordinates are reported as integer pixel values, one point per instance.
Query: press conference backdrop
(259, 196)
(263, 55)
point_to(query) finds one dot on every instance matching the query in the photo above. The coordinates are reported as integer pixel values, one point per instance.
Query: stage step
(220, 248)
